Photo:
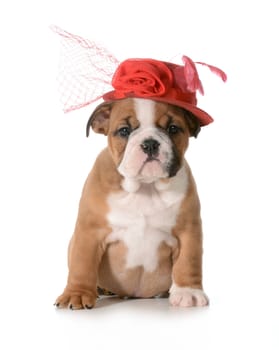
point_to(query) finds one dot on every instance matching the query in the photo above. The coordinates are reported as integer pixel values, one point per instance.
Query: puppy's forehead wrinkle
(151, 113)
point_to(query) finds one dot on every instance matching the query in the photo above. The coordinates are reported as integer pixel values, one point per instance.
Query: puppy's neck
(175, 184)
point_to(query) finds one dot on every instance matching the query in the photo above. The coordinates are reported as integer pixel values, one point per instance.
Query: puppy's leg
(85, 253)
(186, 289)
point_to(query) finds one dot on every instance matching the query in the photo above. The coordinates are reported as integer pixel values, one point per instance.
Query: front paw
(187, 297)
(76, 300)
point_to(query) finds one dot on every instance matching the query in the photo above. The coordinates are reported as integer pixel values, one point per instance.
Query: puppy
(138, 231)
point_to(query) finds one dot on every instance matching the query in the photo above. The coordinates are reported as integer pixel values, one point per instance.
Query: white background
(45, 158)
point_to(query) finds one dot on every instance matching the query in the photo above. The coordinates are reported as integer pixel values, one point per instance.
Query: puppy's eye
(124, 132)
(173, 129)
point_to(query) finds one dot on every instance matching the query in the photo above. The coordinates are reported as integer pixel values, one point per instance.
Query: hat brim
(203, 117)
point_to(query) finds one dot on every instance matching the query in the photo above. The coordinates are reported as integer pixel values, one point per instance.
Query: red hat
(89, 71)
(161, 81)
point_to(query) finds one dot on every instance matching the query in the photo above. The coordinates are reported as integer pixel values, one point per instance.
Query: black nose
(150, 147)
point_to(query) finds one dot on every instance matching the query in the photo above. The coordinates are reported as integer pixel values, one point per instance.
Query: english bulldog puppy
(138, 231)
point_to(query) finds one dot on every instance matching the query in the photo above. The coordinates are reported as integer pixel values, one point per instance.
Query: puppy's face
(147, 139)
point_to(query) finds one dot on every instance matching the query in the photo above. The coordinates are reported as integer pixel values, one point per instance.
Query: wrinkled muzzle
(148, 156)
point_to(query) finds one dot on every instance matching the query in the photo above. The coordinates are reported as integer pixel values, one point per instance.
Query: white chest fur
(144, 219)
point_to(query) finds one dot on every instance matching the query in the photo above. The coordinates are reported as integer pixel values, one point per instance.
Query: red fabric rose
(143, 78)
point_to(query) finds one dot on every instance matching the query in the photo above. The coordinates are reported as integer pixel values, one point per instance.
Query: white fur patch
(143, 219)
(145, 111)
(187, 297)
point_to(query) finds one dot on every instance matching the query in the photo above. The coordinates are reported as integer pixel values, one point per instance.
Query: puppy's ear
(99, 119)
(193, 123)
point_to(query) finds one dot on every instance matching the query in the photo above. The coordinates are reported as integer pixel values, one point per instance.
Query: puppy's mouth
(148, 160)
(151, 167)
(151, 159)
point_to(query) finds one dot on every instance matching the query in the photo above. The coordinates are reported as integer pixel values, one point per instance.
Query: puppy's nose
(150, 147)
